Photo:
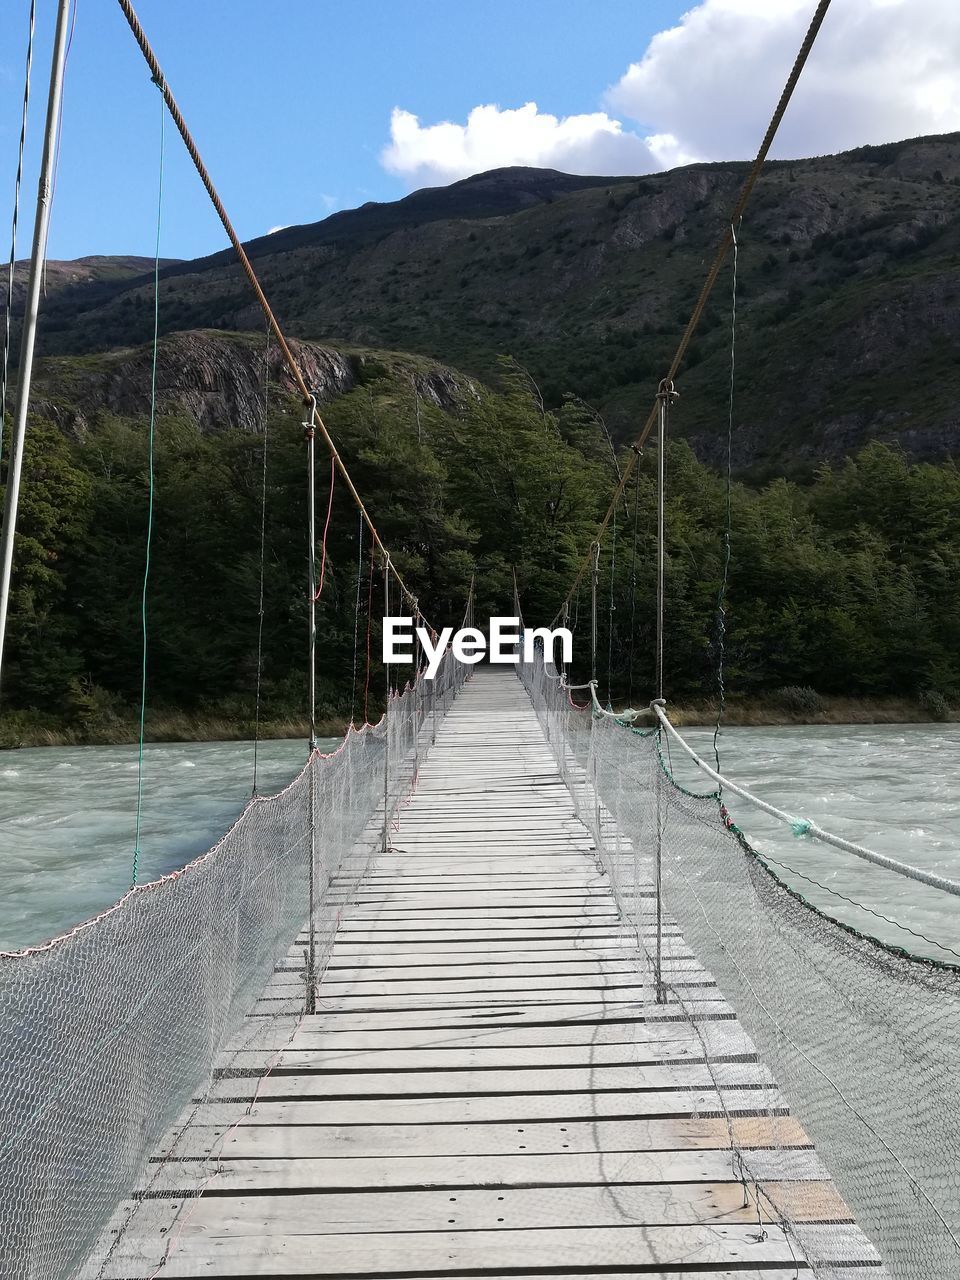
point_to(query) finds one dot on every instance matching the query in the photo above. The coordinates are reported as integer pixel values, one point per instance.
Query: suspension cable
(309, 399)
(723, 248)
(11, 267)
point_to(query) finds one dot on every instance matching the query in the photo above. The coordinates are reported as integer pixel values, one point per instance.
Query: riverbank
(23, 729)
(28, 729)
(769, 711)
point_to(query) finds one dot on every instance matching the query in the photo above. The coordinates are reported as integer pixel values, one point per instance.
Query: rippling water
(67, 821)
(893, 788)
(67, 818)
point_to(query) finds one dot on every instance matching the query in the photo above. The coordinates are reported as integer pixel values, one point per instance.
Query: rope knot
(800, 827)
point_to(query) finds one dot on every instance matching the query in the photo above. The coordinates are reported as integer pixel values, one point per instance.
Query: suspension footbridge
(491, 1083)
(485, 992)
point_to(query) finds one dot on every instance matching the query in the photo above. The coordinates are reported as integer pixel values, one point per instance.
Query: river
(67, 819)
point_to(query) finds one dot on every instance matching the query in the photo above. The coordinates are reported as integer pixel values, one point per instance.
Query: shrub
(799, 699)
(934, 705)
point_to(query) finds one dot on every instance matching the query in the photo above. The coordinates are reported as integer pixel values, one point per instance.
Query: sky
(302, 107)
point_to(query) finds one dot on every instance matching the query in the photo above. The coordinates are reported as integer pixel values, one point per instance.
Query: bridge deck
(489, 1087)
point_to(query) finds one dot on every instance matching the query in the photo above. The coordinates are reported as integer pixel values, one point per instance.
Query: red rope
(326, 527)
(366, 687)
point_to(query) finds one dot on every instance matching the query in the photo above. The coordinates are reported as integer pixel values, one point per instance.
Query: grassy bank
(771, 711)
(29, 729)
(25, 729)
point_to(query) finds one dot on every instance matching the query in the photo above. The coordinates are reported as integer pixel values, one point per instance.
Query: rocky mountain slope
(849, 276)
(217, 379)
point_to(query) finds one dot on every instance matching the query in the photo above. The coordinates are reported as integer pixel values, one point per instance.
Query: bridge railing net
(109, 1031)
(862, 1038)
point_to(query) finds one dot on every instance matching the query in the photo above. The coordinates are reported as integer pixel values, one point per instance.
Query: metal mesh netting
(863, 1039)
(109, 1030)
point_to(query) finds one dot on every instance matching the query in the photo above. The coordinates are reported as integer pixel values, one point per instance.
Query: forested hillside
(845, 585)
(849, 271)
(483, 352)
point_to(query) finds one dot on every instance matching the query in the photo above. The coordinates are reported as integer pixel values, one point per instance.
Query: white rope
(801, 826)
(599, 710)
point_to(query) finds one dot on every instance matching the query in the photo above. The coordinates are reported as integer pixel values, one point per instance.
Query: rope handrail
(723, 249)
(802, 826)
(309, 399)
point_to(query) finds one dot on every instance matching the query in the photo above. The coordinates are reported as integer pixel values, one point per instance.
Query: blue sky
(291, 103)
(286, 112)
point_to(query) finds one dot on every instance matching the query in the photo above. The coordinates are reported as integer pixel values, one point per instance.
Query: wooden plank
(502, 1015)
(594, 1079)
(516, 1109)
(677, 1044)
(609, 1204)
(477, 1139)
(568, 1169)
(447, 1252)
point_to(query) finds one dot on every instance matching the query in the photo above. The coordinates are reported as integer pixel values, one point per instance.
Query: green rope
(150, 484)
(800, 827)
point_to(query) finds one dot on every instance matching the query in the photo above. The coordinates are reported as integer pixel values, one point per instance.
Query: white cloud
(281, 227)
(493, 138)
(704, 89)
(880, 70)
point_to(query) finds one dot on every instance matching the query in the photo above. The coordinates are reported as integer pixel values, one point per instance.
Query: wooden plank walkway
(488, 1087)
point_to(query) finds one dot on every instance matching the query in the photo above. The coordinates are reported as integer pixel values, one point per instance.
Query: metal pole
(38, 255)
(310, 974)
(384, 842)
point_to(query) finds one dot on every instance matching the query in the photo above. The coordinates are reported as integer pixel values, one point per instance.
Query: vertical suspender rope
(263, 557)
(665, 395)
(366, 682)
(11, 265)
(310, 956)
(722, 593)
(150, 502)
(356, 618)
(613, 572)
(594, 575)
(386, 716)
(633, 582)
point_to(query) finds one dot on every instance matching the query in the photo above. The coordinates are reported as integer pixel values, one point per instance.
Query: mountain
(848, 325)
(82, 277)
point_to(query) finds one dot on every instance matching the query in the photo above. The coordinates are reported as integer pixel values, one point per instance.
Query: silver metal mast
(31, 310)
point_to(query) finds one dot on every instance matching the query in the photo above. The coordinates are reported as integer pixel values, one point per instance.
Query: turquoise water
(67, 821)
(893, 788)
(67, 818)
